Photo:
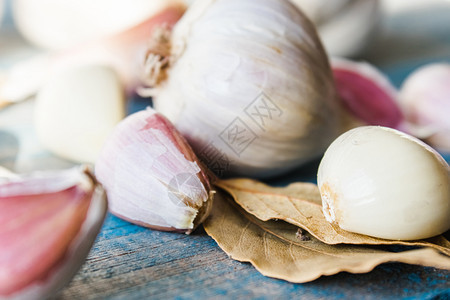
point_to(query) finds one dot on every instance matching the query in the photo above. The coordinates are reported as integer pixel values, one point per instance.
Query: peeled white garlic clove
(425, 100)
(381, 182)
(77, 109)
(246, 81)
(152, 176)
(346, 27)
(366, 95)
(49, 222)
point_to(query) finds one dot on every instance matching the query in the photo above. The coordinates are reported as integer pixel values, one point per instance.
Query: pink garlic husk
(49, 223)
(425, 99)
(366, 95)
(124, 51)
(152, 176)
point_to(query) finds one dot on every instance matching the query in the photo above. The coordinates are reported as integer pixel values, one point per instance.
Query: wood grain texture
(130, 262)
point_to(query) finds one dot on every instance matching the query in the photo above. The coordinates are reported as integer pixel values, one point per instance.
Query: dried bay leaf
(300, 205)
(275, 250)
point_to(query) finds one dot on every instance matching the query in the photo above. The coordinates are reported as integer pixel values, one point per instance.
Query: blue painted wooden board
(131, 262)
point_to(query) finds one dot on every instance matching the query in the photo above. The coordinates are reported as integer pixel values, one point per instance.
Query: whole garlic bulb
(151, 175)
(425, 100)
(246, 81)
(381, 182)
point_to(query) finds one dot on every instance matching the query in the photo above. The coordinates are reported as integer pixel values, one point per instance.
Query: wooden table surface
(131, 262)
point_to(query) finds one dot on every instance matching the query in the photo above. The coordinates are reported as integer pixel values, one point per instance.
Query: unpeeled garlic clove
(425, 100)
(77, 109)
(49, 223)
(366, 95)
(381, 182)
(152, 176)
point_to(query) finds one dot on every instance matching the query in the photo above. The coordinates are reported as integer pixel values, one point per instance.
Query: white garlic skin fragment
(77, 109)
(226, 55)
(384, 183)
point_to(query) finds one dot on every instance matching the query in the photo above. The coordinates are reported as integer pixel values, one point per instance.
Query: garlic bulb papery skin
(425, 100)
(77, 109)
(49, 223)
(366, 95)
(346, 27)
(56, 24)
(152, 176)
(248, 82)
(384, 183)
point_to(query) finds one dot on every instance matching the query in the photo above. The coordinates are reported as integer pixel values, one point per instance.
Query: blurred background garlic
(346, 27)
(56, 24)
(77, 109)
(425, 99)
(74, 33)
(366, 95)
(1, 12)
(248, 84)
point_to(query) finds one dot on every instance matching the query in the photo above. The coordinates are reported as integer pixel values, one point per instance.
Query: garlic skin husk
(366, 95)
(346, 27)
(152, 176)
(50, 220)
(55, 25)
(425, 100)
(77, 109)
(253, 68)
(384, 183)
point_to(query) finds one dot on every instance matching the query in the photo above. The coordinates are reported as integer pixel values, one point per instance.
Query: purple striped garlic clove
(366, 95)
(152, 176)
(49, 222)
